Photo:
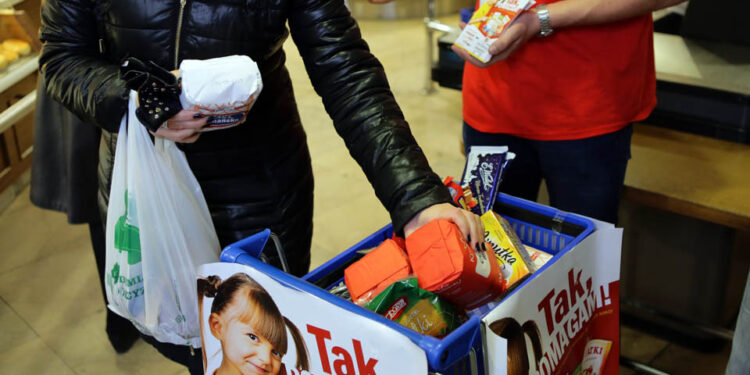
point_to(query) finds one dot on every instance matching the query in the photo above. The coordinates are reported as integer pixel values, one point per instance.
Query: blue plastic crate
(542, 227)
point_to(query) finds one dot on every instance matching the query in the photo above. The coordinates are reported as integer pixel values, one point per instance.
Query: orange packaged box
(378, 269)
(445, 264)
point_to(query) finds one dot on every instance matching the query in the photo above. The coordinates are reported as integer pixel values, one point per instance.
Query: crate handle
(279, 251)
(253, 246)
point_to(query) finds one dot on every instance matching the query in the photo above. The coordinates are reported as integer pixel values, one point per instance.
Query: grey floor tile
(30, 233)
(54, 291)
(14, 330)
(32, 357)
(86, 349)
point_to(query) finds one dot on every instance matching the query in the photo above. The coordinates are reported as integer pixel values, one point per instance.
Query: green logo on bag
(127, 236)
(114, 277)
(115, 272)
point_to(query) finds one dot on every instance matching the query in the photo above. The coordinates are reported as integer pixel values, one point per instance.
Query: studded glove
(158, 91)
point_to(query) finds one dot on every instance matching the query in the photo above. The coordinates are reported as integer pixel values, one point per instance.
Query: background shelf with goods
(19, 21)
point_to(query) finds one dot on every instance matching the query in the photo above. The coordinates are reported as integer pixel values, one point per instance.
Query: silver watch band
(544, 21)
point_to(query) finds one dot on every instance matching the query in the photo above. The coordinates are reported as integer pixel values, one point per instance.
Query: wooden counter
(696, 176)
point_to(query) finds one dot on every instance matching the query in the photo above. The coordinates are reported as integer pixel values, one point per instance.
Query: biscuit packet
(515, 262)
(425, 312)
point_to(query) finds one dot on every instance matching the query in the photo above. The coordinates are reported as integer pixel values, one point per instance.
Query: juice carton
(488, 22)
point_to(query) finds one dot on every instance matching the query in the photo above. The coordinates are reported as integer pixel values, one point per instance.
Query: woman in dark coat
(258, 174)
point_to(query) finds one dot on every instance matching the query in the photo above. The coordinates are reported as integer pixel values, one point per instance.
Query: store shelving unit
(18, 96)
(9, 3)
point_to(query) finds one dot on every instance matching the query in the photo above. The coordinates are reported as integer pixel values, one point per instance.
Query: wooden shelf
(691, 175)
(18, 70)
(9, 3)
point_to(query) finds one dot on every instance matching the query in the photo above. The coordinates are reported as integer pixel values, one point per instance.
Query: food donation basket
(460, 352)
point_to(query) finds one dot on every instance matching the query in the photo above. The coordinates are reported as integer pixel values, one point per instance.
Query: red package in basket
(380, 268)
(445, 264)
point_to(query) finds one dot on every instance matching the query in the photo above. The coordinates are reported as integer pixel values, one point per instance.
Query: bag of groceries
(158, 230)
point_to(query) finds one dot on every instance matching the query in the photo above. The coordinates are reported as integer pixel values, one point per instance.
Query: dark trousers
(180, 354)
(584, 176)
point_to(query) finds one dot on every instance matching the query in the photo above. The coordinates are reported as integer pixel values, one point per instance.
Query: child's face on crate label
(246, 350)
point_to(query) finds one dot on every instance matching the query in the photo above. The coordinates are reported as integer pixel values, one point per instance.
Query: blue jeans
(584, 176)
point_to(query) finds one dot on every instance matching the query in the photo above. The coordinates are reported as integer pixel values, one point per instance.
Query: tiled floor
(51, 312)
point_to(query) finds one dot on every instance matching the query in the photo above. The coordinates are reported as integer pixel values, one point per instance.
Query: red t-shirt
(579, 82)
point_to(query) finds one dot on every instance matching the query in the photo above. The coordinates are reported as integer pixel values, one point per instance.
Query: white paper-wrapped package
(224, 88)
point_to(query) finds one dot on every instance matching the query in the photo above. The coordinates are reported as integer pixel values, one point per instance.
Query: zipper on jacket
(179, 31)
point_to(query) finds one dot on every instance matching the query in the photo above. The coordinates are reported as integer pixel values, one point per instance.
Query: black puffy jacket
(257, 174)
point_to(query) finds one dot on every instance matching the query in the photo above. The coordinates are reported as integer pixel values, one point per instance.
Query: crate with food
(432, 287)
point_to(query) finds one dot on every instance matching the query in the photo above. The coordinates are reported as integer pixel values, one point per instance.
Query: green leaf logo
(115, 274)
(127, 236)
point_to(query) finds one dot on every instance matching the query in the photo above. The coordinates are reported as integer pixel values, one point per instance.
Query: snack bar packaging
(509, 157)
(488, 22)
(510, 253)
(538, 257)
(445, 264)
(482, 174)
(594, 357)
(457, 194)
(425, 312)
(375, 271)
(223, 88)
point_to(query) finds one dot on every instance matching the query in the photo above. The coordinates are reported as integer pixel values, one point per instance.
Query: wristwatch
(544, 22)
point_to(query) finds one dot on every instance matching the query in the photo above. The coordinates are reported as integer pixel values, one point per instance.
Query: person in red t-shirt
(564, 101)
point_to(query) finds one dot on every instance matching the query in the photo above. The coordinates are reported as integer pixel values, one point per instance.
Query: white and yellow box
(488, 22)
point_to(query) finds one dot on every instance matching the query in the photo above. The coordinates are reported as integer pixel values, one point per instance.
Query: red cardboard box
(444, 263)
(380, 268)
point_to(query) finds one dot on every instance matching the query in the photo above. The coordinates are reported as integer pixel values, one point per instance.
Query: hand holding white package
(224, 88)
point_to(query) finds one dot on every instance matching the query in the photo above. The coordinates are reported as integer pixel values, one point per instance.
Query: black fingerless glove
(158, 91)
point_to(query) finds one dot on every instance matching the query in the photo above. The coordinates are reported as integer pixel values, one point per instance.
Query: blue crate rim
(435, 349)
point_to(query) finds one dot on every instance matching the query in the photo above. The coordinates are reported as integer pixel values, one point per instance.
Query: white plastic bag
(224, 88)
(159, 230)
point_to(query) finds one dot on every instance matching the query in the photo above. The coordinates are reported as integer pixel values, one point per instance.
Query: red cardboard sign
(569, 306)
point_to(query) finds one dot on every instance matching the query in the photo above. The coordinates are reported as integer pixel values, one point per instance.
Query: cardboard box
(380, 268)
(445, 264)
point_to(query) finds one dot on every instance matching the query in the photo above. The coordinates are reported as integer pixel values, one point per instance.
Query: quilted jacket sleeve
(74, 71)
(356, 95)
